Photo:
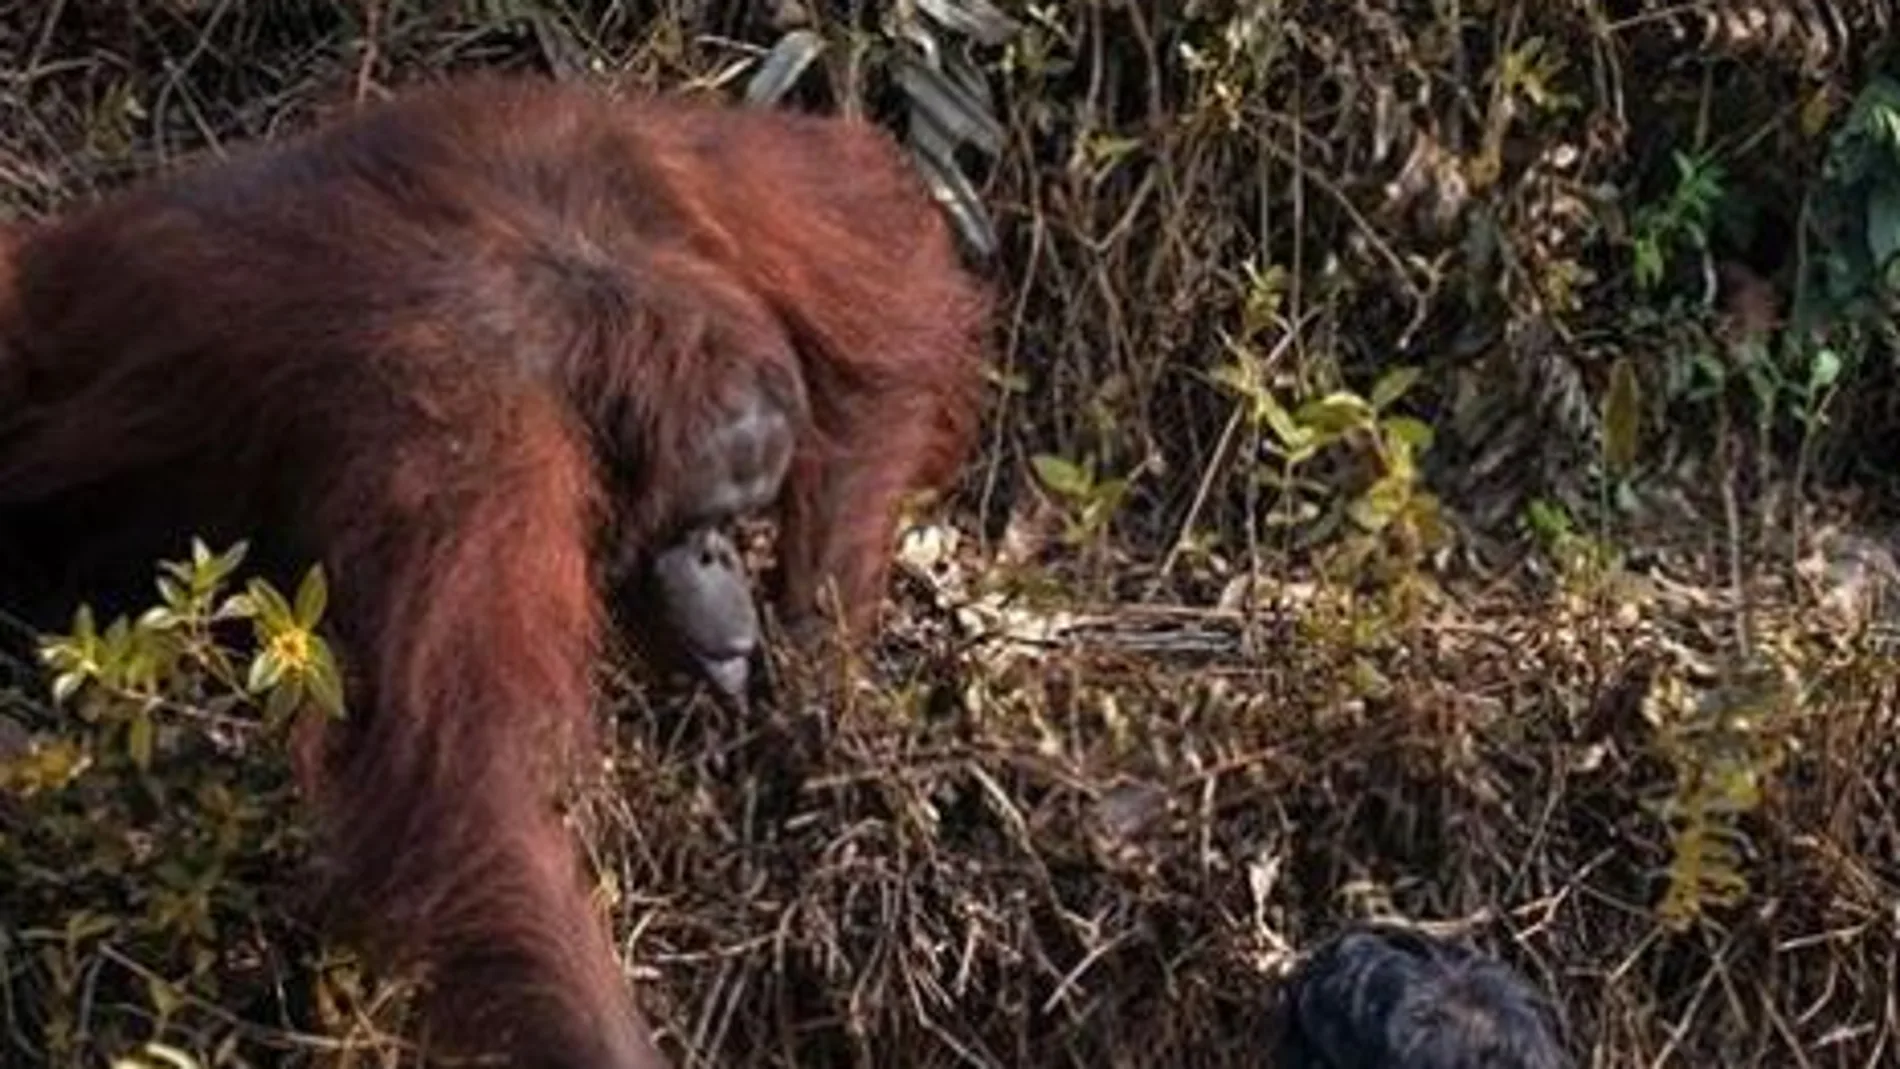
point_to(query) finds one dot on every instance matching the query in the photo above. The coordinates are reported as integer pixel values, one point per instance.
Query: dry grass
(1105, 850)
(1092, 825)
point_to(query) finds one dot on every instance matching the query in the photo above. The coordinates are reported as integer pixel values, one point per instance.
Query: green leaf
(1062, 476)
(1393, 385)
(1381, 503)
(1280, 421)
(1398, 459)
(273, 612)
(140, 671)
(235, 607)
(325, 680)
(1883, 223)
(66, 684)
(1648, 263)
(1622, 415)
(1711, 368)
(115, 649)
(1372, 516)
(1336, 413)
(165, 1056)
(230, 559)
(138, 740)
(1107, 149)
(282, 704)
(85, 628)
(1415, 433)
(85, 926)
(265, 671)
(1826, 369)
(1007, 381)
(1237, 376)
(165, 1000)
(1109, 493)
(312, 597)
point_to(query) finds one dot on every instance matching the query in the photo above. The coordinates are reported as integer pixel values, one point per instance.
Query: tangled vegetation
(1439, 466)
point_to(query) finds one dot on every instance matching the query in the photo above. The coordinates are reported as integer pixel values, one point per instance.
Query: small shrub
(142, 833)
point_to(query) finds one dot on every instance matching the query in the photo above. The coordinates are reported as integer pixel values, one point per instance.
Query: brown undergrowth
(1082, 838)
(1065, 836)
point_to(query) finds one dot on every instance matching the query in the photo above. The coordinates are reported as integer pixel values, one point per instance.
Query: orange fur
(454, 347)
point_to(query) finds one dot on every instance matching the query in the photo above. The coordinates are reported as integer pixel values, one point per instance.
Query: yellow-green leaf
(312, 597)
(1413, 432)
(170, 1057)
(1393, 385)
(1291, 434)
(273, 612)
(1336, 413)
(266, 670)
(325, 681)
(1622, 414)
(138, 740)
(66, 684)
(1062, 476)
(282, 703)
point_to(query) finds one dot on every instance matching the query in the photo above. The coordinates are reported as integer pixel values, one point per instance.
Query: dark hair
(1378, 997)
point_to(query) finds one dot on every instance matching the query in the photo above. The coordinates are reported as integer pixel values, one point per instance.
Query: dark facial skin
(742, 463)
(705, 595)
(704, 591)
